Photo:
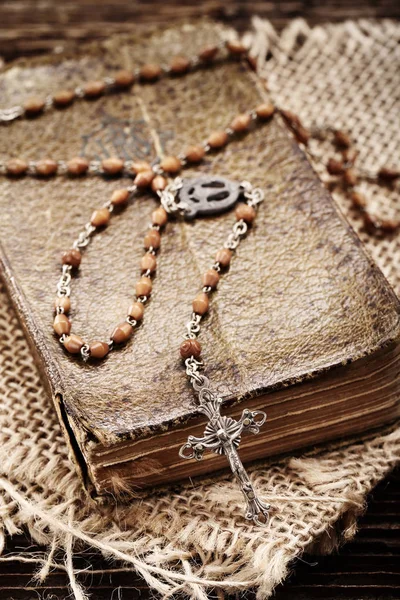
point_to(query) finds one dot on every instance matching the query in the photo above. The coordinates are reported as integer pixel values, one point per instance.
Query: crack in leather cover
(301, 296)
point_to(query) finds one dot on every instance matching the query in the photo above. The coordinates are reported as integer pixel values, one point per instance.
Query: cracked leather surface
(301, 295)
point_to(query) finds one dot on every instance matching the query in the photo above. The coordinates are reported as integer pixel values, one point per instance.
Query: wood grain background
(369, 567)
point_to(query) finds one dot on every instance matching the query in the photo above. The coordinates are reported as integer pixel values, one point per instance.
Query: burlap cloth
(193, 538)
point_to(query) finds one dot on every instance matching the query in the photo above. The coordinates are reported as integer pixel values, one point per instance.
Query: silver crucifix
(222, 435)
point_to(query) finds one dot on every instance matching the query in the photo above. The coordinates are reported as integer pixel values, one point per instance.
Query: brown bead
(16, 167)
(159, 216)
(63, 302)
(148, 262)
(179, 65)
(136, 311)
(235, 48)
(291, 118)
(33, 106)
(63, 98)
(144, 179)
(141, 165)
(350, 177)
(224, 257)
(335, 167)
(252, 60)
(195, 154)
(119, 196)
(73, 344)
(388, 174)
(349, 155)
(190, 348)
(93, 89)
(143, 287)
(265, 110)
(241, 122)
(122, 333)
(62, 324)
(171, 164)
(98, 349)
(342, 139)
(358, 200)
(112, 166)
(210, 278)
(159, 183)
(77, 166)
(152, 239)
(217, 139)
(245, 213)
(200, 304)
(100, 217)
(302, 135)
(72, 257)
(124, 78)
(208, 53)
(150, 72)
(46, 167)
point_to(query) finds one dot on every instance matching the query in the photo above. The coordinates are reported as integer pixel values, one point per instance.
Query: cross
(222, 435)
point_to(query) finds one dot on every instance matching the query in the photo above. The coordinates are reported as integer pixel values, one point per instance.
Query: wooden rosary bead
(388, 174)
(190, 348)
(179, 65)
(217, 139)
(63, 98)
(16, 167)
(112, 166)
(62, 325)
(159, 183)
(148, 262)
(224, 257)
(143, 286)
(350, 177)
(210, 278)
(342, 139)
(171, 164)
(291, 118)
(93, 89)
(245, 213)
(144, 179)
(77, 166)
(73, 344)
(119, 197)
(159, 216)
(150, 72)
(122, 333)
(140, 165)
(302, 135)
(46, 167)
(195, 154)
(34, 106)
(335, 167)
(63, 302)
(100, 217)
(241, 122)
(200, 304)
(98, 349)
(136, 311)
(152, 239)
(72, 257)
(265, 110)
(235, 48)
(124, 78)
(358, 200)
(349, 155)
(208, 53)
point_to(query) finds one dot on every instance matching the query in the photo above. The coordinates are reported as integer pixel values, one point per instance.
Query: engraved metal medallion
(207, 195)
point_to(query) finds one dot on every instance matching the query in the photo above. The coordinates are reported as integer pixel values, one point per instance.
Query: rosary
(185, 197)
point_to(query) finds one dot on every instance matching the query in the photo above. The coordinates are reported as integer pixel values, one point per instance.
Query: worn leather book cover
(303, 326)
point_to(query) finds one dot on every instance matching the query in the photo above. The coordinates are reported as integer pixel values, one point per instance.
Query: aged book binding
(304, 325)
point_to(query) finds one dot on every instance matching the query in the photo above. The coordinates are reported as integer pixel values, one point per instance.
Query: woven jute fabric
(193, 538)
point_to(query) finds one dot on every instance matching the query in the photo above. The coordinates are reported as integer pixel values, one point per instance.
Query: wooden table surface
(367, 568)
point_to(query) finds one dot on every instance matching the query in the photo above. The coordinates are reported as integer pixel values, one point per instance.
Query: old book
(304, 325)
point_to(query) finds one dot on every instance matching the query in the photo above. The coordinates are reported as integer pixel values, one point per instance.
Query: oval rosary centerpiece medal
(207, 195)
